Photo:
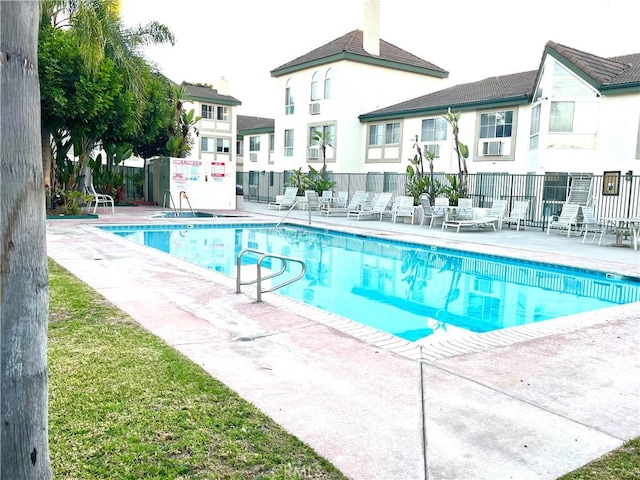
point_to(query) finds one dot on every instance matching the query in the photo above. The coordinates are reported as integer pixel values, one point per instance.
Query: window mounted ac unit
(314, 108)
(432, 148)
(253, 157)
(314, 153)
(492, 148)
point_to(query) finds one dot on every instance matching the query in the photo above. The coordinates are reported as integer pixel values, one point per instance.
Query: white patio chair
(518, 214)
(591, 224)
(465, 209)
(287, 200)
(99, 199)
(428, 211)
(493, 217)
(568, 219)
(342, 207)
(376, 208)
(402, 208)
(313, 201)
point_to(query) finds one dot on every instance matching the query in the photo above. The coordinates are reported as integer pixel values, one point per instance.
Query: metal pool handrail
(292, 207)
(171, 202)
(260, 278)
(184, 194)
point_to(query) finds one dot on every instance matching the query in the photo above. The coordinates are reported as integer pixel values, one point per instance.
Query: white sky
(243, 40)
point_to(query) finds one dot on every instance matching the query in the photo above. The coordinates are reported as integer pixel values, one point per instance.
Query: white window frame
(328, 83)
(289, 103)
(288, 142)
(208, 111)
(254, 143)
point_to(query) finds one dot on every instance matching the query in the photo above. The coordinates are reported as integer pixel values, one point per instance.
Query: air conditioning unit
(492, 148)
(253, 157)
(314, 152)
(432, 148)
(314, 108)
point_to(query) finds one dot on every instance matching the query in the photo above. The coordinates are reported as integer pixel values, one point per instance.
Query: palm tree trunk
(47, 169)
(23, 261)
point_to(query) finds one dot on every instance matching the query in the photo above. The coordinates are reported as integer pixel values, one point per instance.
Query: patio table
(621, 226)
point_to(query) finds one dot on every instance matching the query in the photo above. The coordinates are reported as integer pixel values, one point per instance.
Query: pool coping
(428, 349)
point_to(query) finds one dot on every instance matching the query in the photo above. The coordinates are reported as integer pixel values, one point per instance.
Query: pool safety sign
(184, 171)
(217, 171)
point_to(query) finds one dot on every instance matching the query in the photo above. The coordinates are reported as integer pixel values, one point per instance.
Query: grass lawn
(124, 405)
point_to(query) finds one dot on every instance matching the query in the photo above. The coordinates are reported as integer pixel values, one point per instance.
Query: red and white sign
(217, 169)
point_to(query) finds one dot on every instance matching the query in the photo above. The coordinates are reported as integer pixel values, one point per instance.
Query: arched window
(328, 80)
(314, 87)
(288, 99)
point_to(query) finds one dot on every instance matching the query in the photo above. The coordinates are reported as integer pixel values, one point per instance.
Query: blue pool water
(405, 289)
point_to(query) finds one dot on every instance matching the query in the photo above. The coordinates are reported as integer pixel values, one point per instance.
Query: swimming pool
(408, 290)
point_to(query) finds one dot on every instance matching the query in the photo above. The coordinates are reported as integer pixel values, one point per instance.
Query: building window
(561, 117)
(223, 145)
(496, 124)
(328, 80)
(254, 144)
(289, 106)
(207, 111)
(328, 136)
(240, 148)
(272, 142)
(392, 133)
(314, 87)
(223, 114)
(434, 131)
(375, 135)
(288, 143)
(534, 130)
(207, 144)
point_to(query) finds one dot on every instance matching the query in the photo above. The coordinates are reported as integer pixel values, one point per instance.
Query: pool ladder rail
(259, 278)
(305, 201)
(182, 194)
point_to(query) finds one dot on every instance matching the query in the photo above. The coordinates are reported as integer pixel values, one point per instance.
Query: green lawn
(124, 405)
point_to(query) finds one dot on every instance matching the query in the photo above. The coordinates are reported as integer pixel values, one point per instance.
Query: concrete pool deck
(524, 403)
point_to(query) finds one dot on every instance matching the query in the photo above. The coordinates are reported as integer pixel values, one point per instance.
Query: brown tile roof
(604, 71)
(352, 43)
(210, 94)
(608, 73)
(517, 87)
(250, 123)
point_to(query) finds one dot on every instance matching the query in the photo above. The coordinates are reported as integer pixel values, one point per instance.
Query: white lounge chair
(313, 201)
(568, 219)
(356, 202)
(591, 224)
(428, 211)
(464, 210)
(99, 199)
(493, 217)
(287, 200)
(402, 207)
(377, 208)
(518, 214)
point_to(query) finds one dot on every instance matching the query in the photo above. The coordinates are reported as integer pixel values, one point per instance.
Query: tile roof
(351, 43)
(604, 71)
(207, 93)
(516, 87)
(251, 123)
(609, 73)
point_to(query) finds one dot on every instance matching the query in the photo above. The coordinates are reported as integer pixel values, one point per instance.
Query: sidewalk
(533, 408)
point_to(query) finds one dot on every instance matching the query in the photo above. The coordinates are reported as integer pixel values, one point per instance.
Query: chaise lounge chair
(287, 200)
(568, 219)
(342, 208)
(493, 217)
(402, 208)
(518, 214)
(378, 207)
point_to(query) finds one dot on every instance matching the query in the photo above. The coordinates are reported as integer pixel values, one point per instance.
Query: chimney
(223, 86)
(371, 31)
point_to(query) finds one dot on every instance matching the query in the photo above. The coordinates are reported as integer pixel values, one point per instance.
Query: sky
(243, 40)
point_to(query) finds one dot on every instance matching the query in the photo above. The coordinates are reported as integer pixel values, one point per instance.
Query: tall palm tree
(100, 32)
(24, 294)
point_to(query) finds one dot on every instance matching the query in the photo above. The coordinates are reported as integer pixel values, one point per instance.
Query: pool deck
(532, 402)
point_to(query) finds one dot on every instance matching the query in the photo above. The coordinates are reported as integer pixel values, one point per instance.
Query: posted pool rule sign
(217, 171)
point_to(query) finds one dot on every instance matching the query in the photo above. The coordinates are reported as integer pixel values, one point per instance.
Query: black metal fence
(611, 195)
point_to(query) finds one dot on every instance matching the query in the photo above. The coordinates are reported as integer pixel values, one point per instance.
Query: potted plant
(316, 181)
